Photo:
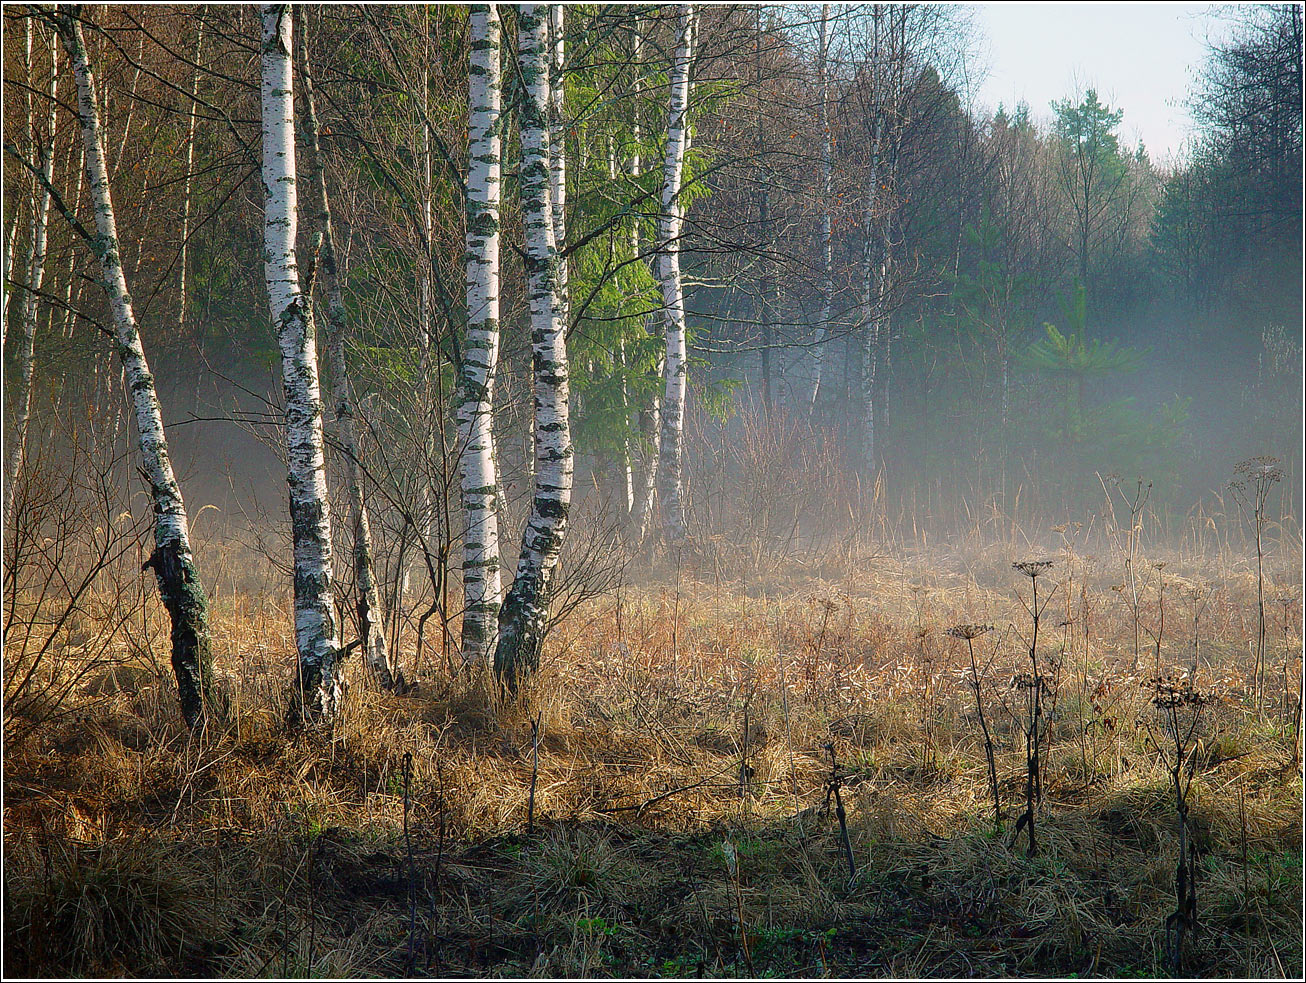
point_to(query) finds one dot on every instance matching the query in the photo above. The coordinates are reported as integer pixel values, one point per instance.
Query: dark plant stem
(988, 739)
(535, 774)
(411, 962)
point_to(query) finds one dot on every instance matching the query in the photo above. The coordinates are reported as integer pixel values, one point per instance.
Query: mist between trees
(752, 275)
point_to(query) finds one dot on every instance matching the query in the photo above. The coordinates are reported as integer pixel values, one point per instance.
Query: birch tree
(558, 151)
(310, 519)
(887, 67)
(482, 589)
(827, 205)
(671, 449)
(21, 407)
(11, 241)
(371, 616)
(172, 561)
(190, 171)
(651, 424)
(523, 617)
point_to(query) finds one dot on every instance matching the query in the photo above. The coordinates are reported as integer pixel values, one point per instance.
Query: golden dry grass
(256, 850)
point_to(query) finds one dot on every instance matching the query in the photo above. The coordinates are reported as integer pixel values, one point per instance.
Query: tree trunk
(523, 617)
(558, 154)
(371, 616)
(319, 690)
(482, 589)
(765, 285)
(649, 422)
(673, 298)
(20, 408)
(13, 226)
(190, 167)
(174, 567)
(827, 239)
(870, 311)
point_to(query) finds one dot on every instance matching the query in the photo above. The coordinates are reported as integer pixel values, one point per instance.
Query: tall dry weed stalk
(1172, 733)
(969, 633)
(1254, 479)
(1127, 545)
(1035, 686)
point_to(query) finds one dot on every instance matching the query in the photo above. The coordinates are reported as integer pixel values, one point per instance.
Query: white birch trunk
(625, 485)
(827, 166)
(371, 616)
(190, 167)
(558, 152)
(671, 447)
(425, 341)
(482, 588)
(524, 615)
(315, 629)
(11, 240)
(173, 564)
(13, 227)
(72, 279)
(870, 295)
(20, 408)
(650, 422)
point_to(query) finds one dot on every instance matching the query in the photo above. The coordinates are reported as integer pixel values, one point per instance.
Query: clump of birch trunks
(858, 771)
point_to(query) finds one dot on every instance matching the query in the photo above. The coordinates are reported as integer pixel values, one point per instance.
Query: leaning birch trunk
(482, 589)
(371, 617)
(319, 690)
(524, 615)
(671, 447)
(827, 255)
(174, 567)
(21, 406)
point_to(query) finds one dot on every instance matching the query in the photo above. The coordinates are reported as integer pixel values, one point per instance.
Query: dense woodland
(411, 334)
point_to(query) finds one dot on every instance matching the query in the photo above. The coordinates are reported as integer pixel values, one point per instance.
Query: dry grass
(256, 851)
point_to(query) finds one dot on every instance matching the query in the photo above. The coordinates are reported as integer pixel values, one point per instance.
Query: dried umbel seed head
(1025, 680)
(1032, 568)
(1171, 692)
(1263, 468)
(968, 631)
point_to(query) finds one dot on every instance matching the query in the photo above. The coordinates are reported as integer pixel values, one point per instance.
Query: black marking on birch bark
(192, 654)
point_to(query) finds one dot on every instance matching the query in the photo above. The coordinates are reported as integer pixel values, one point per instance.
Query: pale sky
(1141, 57)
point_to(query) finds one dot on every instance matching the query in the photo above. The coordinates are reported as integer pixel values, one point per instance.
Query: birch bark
(190, 168)
(482, 589)
(174, 567)
(21, 405)
(320, 688)
(827, 166)
(371, 616)
(873, 287)
(523, 617)
(13, 229)
(558, 152)
(671, 447)
(650, 420)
